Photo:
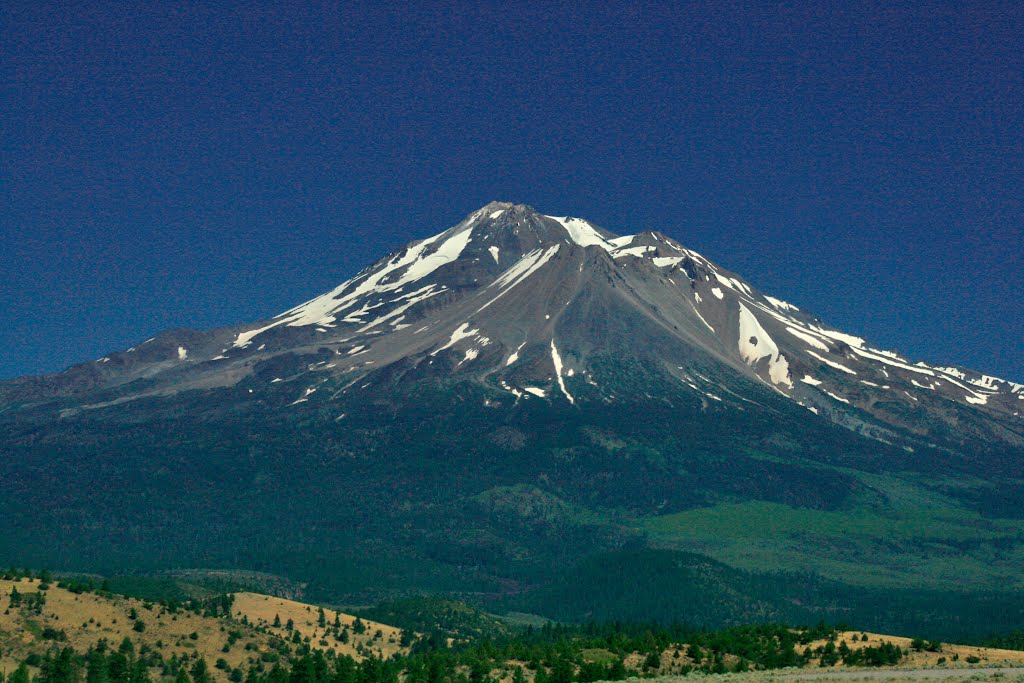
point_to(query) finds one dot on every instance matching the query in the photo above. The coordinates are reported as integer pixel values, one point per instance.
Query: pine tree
(562, 671)
(200, 672)
(344, 670)
(96, 667)
(139, 673)
(117, 668)
(20, 674)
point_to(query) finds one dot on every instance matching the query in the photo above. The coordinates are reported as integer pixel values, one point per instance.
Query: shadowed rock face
(532, 307)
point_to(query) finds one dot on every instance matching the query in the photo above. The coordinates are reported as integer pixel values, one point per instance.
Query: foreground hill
(66, 636)
(161, 634)
(512, 408)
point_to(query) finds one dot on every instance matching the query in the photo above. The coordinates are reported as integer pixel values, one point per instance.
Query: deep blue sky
(176, 164)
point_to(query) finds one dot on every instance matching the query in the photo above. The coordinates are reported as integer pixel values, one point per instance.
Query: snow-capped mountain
(487, 408)
(532, 307)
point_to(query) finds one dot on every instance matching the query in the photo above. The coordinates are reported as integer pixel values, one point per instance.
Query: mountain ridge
(502, 270)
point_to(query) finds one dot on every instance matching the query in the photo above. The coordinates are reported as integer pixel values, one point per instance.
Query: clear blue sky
(201, 164)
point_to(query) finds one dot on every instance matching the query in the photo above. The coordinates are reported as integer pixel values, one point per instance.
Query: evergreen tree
(117, 668)
(303, 671)
(20, 674)
(277, 674)
(200, 672)
(139, 673)
(562, 671)
(96, 667)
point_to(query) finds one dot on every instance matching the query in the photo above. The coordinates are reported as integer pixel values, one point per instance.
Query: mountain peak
(539, 305)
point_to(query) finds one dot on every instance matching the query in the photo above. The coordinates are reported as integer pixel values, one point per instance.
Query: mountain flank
(535, 414)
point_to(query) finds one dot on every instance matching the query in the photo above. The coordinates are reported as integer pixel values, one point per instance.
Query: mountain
(491, 405)
(532, 305)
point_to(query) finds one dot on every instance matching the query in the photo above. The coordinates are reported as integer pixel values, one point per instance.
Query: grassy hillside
(163, 634)
(58, 634)
(326, 628)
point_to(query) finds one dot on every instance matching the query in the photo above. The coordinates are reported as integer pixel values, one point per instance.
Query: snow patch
(494, 252)
(953, 371)
(182, 353)
(755, 344)
(706, 323)
(888, 360)
(462, 332)
(535, 391)
(305, 396)
(780, 304)
(506, 387)
(522, 269)
(411, 300)
(807, 379)
(414, 263)
(840, 336)
(557, 360)
(582, 233)
(515, 355)
(813, 341)
(826, 361)
(717, 292)
(638, 252)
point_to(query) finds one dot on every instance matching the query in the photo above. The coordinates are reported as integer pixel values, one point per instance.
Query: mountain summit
(534, 409)
(531, 307)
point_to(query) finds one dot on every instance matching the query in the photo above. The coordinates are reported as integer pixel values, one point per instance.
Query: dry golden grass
(87, 618)
(381, 639)
(917, 660)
